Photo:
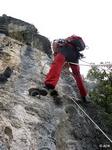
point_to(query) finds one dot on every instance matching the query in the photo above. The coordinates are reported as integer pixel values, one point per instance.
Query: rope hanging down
(90, 119)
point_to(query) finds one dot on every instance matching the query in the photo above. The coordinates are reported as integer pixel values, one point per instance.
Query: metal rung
(44, 147)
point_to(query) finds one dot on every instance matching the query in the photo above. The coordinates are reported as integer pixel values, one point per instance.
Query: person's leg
(52, 77)
(78, 78)
(55, 71)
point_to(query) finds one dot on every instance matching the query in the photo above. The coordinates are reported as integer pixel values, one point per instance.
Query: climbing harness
(44, 147)
(90, 118)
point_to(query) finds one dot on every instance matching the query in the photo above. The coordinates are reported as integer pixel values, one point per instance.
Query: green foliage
(99, 86)
(4, 15)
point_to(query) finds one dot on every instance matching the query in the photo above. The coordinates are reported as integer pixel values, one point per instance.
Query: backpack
(76, 42)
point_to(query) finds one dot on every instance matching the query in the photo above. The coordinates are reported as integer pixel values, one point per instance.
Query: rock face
(24, 32)
(53, 122)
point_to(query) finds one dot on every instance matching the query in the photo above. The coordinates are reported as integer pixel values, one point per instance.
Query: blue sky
(90, 19)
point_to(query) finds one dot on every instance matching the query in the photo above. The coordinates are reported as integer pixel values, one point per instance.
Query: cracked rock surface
(53, 122)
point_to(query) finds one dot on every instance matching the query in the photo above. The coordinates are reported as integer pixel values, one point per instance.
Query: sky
(90, 19)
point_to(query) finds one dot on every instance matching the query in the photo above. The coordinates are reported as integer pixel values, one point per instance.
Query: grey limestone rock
(54, 121)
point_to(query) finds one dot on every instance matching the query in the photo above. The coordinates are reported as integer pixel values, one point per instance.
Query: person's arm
(54, 47)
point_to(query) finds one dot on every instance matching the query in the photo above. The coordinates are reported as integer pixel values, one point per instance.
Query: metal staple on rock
(37, 92)
(90, 118)
(44, 147)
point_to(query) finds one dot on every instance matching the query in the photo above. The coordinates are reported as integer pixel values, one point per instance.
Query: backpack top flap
(77, 42)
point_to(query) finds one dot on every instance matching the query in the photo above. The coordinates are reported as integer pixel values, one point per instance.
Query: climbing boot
(44, 91)
(39, 91)
(84, 99)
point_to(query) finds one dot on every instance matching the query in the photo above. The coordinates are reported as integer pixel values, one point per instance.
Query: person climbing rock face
(65, 50)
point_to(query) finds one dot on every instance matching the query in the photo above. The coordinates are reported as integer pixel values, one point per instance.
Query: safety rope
(85, 61)
(90, 64)
(90, 118)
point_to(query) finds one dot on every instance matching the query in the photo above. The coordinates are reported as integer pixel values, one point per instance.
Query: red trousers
(56, 69)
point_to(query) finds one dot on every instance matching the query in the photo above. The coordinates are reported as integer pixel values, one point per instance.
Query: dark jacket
(71, 54)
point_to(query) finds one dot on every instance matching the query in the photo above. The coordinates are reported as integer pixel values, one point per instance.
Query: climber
(62, 52)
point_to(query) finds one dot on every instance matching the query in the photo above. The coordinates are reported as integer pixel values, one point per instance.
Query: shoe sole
(37, 91)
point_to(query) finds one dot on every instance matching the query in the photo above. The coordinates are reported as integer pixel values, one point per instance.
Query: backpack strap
(68, 44)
